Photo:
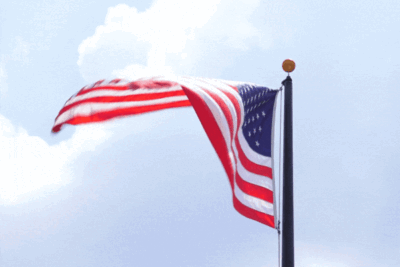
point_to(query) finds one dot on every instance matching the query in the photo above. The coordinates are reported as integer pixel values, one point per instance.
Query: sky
(149, 190)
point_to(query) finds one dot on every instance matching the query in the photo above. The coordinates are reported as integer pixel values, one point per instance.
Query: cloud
(333, 254)
(31, 168)
(21, 50)
(168, 37)
(3, 78)
(136, 71)
(19, 53)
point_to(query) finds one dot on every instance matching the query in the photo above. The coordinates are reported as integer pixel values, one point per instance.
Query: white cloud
(31, 168)
(167, 36)
(335, 255)
(21, 50)
(19, 53)
(136, 71)
(3, 78)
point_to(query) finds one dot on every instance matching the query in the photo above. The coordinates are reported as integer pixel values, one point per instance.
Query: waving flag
(236, 116)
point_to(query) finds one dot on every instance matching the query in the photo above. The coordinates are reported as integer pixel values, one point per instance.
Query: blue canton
(258, 105)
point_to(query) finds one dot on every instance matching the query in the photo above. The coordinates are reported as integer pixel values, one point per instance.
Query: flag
(237, 118)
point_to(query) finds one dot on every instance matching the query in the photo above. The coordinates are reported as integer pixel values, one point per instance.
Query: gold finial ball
(288, 65)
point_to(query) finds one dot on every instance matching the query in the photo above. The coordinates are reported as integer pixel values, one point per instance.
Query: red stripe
(235, 103)
(142, 84)
(128, 98)
(213, 131)
(151, 84)
(115, 81)
(253, 214)
(225, 109)
(107, 115)
(251, 166)
(254, 190)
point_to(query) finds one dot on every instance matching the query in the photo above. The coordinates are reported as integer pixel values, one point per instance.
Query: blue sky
(149, 190)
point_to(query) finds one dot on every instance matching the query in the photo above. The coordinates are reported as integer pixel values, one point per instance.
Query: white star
(249, 133)
(259, 128)
(263, 113)
(254, 131)
(248, 121)
(252, 118)
(257, 143)
(257, 116)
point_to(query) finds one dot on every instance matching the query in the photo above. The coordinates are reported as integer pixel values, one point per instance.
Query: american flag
(237, 117)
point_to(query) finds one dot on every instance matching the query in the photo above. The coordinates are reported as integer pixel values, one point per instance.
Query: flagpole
(287, 192)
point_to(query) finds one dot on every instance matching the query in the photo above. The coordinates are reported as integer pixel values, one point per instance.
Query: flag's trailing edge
(237, 117)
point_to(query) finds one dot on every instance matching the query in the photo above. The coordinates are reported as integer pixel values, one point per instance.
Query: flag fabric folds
(237, 117)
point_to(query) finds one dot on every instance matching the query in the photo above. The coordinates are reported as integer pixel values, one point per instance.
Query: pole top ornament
(288, 65)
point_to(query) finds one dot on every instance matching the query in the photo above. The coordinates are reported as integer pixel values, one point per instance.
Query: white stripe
(251, 154)
(217, 114)
(213, 107)
(122, 82)
(92, 85)
(208, 87)
(110, 92)
(273, 157)
(227, 89)
(253, 202)
(87, 109)
(253, 178)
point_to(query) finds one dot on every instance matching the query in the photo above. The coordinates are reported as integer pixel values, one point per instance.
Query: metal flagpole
(287, 192)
